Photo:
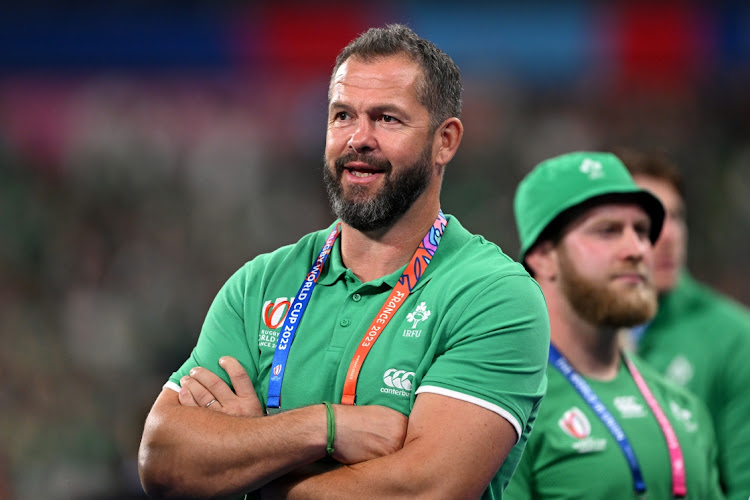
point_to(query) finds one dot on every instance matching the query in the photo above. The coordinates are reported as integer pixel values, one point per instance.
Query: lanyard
(406, 283)
(679, 485)
(679, 488)
(291, 322)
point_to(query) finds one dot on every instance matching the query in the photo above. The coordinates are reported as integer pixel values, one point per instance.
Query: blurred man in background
(698, 339)
(451, 386)
(610, 426)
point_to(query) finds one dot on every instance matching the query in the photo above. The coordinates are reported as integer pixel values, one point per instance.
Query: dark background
(149, 149)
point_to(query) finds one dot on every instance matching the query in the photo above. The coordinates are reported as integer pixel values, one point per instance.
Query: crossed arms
(447, 448)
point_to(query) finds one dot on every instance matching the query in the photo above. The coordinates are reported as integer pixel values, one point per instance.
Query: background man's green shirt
(474, 328)
(572, 455)
(701, 340)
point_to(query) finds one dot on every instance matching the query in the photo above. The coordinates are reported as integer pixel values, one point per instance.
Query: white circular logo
(400, 379)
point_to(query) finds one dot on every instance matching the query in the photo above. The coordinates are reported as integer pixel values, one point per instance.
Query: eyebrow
(339, 106)
(389, 108)
(377, 110)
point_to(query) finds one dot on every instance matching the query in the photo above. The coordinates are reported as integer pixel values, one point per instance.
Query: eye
(643, 230)
(389, 119)
(341, 115)
(608, 229)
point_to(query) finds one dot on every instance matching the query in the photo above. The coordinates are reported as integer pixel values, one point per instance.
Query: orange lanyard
(406, 283)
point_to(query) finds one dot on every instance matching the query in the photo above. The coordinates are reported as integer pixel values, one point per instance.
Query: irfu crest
(420, 314)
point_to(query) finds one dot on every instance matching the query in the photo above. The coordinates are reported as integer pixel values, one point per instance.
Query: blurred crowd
(126, 201)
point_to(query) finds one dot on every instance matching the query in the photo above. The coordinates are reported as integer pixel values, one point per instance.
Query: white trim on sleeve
(479, 402)
(171, 385)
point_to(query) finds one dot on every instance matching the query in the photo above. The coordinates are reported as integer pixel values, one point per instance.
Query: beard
(602, 305)
(385, 207)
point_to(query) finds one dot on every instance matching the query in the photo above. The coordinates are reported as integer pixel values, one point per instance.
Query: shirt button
(356, 297)
(344, 322)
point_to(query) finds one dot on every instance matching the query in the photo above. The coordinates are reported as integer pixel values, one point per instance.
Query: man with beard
(610, 427)
(698, 339)
(425, 344)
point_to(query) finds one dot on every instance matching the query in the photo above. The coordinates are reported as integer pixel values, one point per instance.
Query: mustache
(641, 271)
(378, 163)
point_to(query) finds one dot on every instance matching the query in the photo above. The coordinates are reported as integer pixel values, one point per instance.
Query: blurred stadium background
(148, 149)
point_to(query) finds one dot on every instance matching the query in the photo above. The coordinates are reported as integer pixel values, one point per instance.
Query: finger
(243, 386)
(212, 384)
(214, 405)
(185, 396)
(200, 394)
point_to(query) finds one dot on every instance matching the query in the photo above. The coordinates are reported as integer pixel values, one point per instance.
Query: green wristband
(331, 428)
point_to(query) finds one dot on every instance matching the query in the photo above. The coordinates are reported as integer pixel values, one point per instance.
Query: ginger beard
(370, 212)
(603, 304)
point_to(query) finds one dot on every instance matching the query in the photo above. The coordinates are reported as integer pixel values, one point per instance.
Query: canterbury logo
(273, 313)
(400, 379)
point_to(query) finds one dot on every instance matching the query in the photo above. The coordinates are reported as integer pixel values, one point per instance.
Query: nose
(362, 139)
(636, 245)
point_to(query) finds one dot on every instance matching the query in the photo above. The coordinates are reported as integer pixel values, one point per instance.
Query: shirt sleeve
(496, 349)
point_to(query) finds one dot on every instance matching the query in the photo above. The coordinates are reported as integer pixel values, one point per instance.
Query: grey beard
(384, 208)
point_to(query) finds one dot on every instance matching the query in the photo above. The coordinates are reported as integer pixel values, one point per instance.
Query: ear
(447, 138)
(542, 259)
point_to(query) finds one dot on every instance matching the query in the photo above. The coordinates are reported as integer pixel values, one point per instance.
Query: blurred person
(698, 339)
(444, 403)
(610, 426)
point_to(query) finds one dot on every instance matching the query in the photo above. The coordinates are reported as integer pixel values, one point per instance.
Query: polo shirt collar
(336, 270)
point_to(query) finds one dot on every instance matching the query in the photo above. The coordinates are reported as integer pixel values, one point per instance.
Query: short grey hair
(440, 87)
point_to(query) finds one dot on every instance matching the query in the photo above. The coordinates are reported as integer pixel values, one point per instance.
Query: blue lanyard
(408, 280)
(580, 385)
(291, 322)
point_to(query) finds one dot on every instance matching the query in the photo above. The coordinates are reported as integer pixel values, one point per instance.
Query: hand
(279, 487)
(204, 388)
(367, 432)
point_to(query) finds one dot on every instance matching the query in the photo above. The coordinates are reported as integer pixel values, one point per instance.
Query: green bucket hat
(558, 184)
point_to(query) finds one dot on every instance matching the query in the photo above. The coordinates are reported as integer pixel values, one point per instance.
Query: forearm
(453, 451)
(383, 477)
(191, 451)
(403, 475)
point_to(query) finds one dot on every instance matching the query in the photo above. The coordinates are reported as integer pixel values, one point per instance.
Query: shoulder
(696, 295)
(693, 308)
(295, 259)
(470, 255)
(468, 267)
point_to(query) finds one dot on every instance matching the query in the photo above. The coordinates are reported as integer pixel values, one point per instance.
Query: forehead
(623, 212)
(395, 76)
(662, 189)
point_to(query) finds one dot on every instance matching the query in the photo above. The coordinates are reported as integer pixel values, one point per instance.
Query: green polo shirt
(700, 340)
(474, 328)
(572, 454)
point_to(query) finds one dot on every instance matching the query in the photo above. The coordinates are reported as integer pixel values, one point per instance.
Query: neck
(372, 255)
(594, 351)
